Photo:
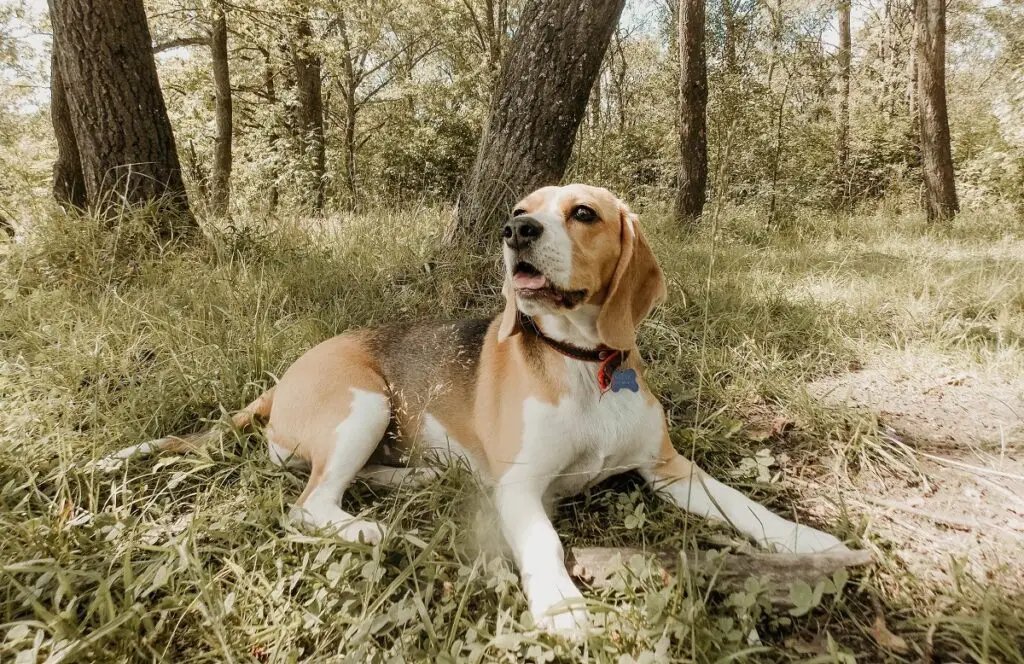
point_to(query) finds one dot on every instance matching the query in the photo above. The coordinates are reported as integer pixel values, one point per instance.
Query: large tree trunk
(693, 100)
(117, 111)
(68, 181)
(843, 145)
(221, 180)
(538, 103)
(309, 84)
(940, 190)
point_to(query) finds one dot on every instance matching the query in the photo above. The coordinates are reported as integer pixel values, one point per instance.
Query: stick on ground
(596, 566)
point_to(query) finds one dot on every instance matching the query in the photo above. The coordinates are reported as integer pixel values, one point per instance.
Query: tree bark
(729, 38)
(221, 177)
(68, 181)
(273, 193)
(309, 85)
(693, 99)
(349, 87)
(911, 81)
(117, 111)
(843, 145)
(940, 189)
(537, 105)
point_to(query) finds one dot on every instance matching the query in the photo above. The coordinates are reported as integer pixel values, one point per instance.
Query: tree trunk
(940, 190)
(538, 103)
(729, 38)
(350, 147)
(68, 181)
(309, 86)
(273, 194)
(595, 104)
(117, 111)
(912, 72)
(843, 146)
(221, 179)
(693, 100)
(349, 87)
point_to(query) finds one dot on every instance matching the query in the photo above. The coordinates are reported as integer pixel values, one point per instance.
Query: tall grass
(107, 338)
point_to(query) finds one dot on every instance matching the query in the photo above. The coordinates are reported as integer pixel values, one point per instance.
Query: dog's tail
(241, 420)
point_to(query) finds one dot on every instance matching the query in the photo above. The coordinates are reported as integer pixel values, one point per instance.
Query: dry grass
(108, 339)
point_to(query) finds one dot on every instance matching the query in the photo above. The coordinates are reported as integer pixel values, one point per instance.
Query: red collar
(608, 359)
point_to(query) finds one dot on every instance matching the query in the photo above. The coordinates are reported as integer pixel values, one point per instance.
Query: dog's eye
(584, 214)
(518, 211)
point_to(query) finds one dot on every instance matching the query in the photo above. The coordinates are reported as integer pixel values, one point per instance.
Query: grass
(110, 338)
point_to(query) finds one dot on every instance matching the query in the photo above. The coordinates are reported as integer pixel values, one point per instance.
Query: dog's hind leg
(351, 444)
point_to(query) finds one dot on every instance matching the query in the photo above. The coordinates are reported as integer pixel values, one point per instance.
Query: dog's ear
(637, 286)
(509, 325)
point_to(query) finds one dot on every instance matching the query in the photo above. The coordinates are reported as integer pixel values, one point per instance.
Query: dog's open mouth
(531, 284)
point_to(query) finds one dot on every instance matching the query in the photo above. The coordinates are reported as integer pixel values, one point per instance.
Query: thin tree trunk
(538, 103)
(912, 110)
(595, 104)
(773, 204)
(494, 27)
(309, 85)
(843, 146)
(940, 189)
(729, 39)
(776, 38)
(273, 194)
(350, 147)
(120, 122)
(221, 178)
(349, 89)
(68, 181)
(693, 99)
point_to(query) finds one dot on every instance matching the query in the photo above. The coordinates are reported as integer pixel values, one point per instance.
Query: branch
(476, 25)
(597, 566)
(198, 40)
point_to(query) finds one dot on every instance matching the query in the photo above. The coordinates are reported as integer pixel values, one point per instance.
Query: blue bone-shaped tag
(624, 379)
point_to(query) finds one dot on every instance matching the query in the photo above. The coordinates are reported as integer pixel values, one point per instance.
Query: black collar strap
(610, 359)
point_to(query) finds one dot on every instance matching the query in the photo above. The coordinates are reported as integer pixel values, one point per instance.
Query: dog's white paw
(795, 538)
(557, 606)
(333, 519)
(361, 530)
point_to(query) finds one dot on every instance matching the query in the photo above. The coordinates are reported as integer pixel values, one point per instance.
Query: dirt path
(963, 430)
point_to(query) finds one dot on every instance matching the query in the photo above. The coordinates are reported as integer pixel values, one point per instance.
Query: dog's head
(574, 246)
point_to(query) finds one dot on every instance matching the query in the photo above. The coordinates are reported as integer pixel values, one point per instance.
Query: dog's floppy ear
(637, 286)
(509, 325)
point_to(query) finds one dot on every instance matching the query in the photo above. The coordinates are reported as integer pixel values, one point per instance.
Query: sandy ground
(963, 429)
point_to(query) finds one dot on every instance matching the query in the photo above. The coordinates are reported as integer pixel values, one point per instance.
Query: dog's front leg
(682, 482)
(555, 601)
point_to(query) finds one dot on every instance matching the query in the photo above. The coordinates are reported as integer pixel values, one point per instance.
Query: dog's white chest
(586, 436)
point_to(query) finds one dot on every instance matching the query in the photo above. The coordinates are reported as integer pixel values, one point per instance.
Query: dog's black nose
(521, 231)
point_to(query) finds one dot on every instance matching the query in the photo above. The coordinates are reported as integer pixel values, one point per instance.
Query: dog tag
(624, 379)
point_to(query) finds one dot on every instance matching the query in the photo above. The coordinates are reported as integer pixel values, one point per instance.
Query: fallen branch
(597, 566)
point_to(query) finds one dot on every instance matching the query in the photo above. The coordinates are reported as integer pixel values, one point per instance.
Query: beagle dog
(541, 402)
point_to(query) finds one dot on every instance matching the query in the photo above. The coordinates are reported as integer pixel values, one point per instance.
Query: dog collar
(608, 359)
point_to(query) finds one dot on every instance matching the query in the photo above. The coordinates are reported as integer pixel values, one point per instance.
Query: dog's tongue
(529, 281)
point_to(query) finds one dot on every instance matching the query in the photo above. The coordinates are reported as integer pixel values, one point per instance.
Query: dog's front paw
(793, 538)
(557, 606)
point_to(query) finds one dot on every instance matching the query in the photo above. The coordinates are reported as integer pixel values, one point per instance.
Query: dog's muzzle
(521, 232)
